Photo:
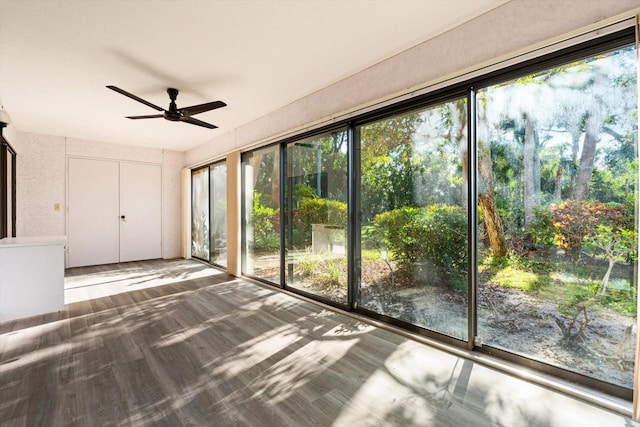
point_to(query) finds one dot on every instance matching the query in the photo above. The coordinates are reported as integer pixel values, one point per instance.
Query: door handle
(122, 217)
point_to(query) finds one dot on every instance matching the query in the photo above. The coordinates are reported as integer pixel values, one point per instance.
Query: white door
(140, 211)
(93, 212)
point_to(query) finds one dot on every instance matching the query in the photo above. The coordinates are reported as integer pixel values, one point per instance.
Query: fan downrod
(172, 113)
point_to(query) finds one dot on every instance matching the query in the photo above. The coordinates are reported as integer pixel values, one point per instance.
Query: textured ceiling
(57, 56)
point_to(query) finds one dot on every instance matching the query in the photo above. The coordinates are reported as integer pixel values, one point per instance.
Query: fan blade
(132, 96)
(153, 116)
(198, 122)
(201, 108)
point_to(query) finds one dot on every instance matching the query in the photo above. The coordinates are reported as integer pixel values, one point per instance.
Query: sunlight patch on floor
(83, 287)
(290, 374)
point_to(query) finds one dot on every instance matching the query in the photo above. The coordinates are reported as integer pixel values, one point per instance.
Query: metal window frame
(286, 226)
(594, 42)
(211, 166)
(194, 172)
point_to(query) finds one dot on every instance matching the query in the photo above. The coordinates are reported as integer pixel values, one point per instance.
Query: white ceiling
(56, 56)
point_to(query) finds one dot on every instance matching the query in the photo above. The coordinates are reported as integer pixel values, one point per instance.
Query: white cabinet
(31, 276)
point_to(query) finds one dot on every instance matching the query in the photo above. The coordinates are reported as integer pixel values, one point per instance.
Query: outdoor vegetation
(556, 183)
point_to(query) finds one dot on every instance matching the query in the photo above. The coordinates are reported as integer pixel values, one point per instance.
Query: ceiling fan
(174, 113)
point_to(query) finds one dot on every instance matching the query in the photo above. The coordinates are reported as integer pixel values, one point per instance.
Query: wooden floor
(176, 343)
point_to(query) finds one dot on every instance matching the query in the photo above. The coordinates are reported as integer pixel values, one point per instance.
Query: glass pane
(414, 218)
(316, 193)
(261, 214)
(557, 180)
(200, 213)
(218, 188)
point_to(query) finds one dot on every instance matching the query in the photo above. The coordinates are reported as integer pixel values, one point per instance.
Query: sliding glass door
(557, 174)
(209, 213)
(218, 212)
(316, 215)
(261, 214)
(499, 214)
(200, 213)
(413, 232)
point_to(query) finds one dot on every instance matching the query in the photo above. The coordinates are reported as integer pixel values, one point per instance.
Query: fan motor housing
(174, 116)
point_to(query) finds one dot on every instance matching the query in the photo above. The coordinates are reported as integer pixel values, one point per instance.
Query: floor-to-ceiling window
(209, 213)
(200, 213)
(413, 201)
(316, 215)
(218, 213)
(261, 232)
(558, 167)
(498, 214)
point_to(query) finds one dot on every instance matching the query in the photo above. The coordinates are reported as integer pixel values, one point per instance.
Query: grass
(375, 255)
(514, 278)
(309, 263)
(524, 273)
(564, 282)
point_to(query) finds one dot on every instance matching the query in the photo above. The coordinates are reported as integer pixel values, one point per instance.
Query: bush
(435, 236)
(320, 211)
(575, 221)
(265, 231)
(542, 231)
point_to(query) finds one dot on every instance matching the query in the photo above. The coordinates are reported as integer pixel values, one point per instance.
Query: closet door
(93, 230)
(140, 211)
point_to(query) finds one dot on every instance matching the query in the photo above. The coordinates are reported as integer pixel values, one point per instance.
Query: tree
(531, 169)
(388, 165)
(616, 244)
(486, 192)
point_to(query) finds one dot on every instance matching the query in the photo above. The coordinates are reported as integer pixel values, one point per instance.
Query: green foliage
(309, 263)
(615, 243)
(332, 273)
(580, 295)
(319, 211)
(264, 221)
(303, 191)
(541, 230)
(435, 236)
(521, 272)
(621, 301)
(389, 166)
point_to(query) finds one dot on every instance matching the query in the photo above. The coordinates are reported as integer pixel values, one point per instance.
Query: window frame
(562, 53)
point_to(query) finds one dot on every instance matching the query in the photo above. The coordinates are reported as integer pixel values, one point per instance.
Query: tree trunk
(486, 192)
(531, 175)
(459, 130)
(493, 225)
(591, 136)
(254, 163)
(581, 190)
(605, 279)
(557, 192)
(275, 182)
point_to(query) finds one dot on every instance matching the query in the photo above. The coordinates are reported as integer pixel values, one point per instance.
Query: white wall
(512, 27)
(172, 164)
(41, 183)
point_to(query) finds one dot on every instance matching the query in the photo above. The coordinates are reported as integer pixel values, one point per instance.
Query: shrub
(435, 236)
(575, 221)
(264, 221)
(542, 231)
(320, 211)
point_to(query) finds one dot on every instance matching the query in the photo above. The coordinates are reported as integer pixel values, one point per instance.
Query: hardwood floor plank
(189, 345)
